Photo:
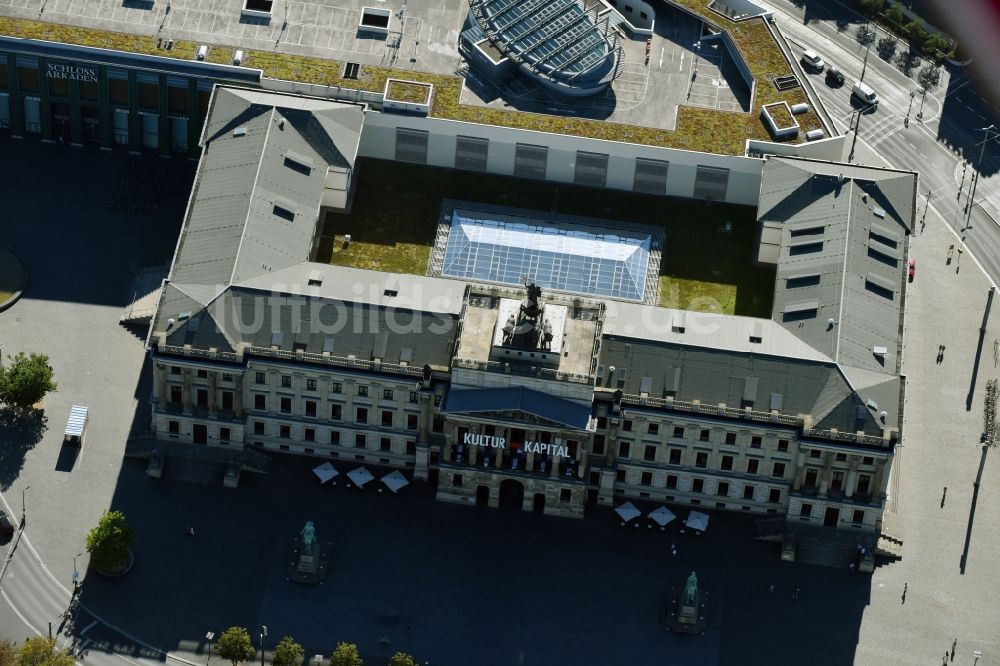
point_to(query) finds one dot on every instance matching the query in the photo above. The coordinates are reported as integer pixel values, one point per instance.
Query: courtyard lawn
(704, 265)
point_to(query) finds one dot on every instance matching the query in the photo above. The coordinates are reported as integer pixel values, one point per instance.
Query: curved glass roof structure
(558, 42)
(499, 248)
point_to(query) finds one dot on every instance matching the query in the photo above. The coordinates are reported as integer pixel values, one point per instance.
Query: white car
(811, 59)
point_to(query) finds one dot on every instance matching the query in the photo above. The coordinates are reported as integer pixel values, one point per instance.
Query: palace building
(530, 367)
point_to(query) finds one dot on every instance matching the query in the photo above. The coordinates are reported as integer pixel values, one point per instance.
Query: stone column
(880, 483)
(611, 443)
(160, 387)
(497, 452)
(581, 465)
(213, 389)
(238, 397)
(800, 474)
(425, 417)
(186, 391)
(554, 472)
(852, 477)
(825, 474)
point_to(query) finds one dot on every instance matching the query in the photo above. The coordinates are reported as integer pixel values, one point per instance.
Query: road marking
(970, 108)
(89, 627)
(662, 48)
(922, 155)
(79, 650)
(681, 67)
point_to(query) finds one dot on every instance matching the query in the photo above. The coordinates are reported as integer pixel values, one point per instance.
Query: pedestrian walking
(904, 592)
(944, 662)
(851, 567)
(771, 589)
(944, 493)
(954, 644)
(673, 550)
(795, 594)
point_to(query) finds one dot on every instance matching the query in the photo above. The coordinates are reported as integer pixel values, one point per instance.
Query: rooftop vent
(276, 338)
(202, 52)
(879, 212)
(315, 279)
(676, 329)
(879, 351)
(238, 58)
(284, 213)
(872, 405)
(756, 339)
(240, 131)
(328, 345)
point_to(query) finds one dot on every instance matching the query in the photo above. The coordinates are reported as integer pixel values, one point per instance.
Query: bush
(109, 542)
(235, 645)
(40, 651)
(26, 380)
(402, 659)
(287, 653)
(937, 45)
(346, 654)
(872, 6)
(8, 653)
(915, 29)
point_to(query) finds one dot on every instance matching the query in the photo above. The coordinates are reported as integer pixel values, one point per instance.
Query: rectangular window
(336, 412)
(177, 99)
(864, 484)
(671, 481)
(386, 418)
(285, 431)
(174, 427)
(722, 489)
(412, 421)
(698, 485)
(387, 394)
(414, 397)
(565, 495)
(627, 425)
(311, 408)
(361, 416)
(411, 145)
(260, 378)
(335, 437)
(620, 476)
(653, 429)
(471, 153)
(362, 391)
(703, 436)
(285, 214)
(859, 517)
(778, 470)
(727, 463)
(701, 459)
(309, 434)
(286, 405)
(286, 381)
(591, 169)
(310, 384)
(752, 465)
(711, 183)
(782, 445)
(59, 87)
(748, 492)
(359, 441)
(456, 480)
(258, 427)
(868, 460)
(118, 90)
(675, 456)
(174, 370)
(650, 176)
(598, 447)
(530, 161)
(623, 449)
(756, 441)
(649, 453)
(336, 387)
(646, 479)
(260, 401)
(841, 457)
(678, 432)
(225, 434)
(730, 438)
(774, 496)
(806, 510)
(384, 444)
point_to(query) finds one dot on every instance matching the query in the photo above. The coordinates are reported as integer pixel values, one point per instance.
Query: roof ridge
(253, 191)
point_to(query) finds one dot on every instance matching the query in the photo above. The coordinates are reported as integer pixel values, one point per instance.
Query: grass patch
(396, 209)
(700, 129)
(404, 91)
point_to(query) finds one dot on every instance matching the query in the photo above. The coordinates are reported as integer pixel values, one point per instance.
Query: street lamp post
(857, 129)
(24, 510)
(263, 634)
(979, 162)
(906, 122)
(694, 71)
(76, 573)
(208, 637)
(864, 67)
(920, 111)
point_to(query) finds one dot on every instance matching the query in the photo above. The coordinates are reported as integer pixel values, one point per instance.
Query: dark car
(834, 76)
(6, 524)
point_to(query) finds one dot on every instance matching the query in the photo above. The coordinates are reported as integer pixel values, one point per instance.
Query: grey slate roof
(518, 398)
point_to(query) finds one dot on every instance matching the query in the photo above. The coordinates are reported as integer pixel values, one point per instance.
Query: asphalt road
(936, 147)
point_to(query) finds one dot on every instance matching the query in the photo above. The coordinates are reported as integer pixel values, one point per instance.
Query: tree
(287, 653)
(26, 380)
(937, 45)
(886, 48)
(234, 645)
(929, 76)
(40, 651)
(865, 34)
(8, 653)
(109, 542)
(346, 654)
(402, 659)
(872, 6)
(894, 14)
(915, 29)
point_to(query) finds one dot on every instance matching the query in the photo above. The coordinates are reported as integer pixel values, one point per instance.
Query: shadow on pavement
(19, 433)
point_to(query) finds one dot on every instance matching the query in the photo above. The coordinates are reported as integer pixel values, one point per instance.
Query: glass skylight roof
(582, 260)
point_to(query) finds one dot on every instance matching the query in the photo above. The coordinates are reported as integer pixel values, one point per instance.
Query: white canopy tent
(394, 481)
(325, 472)
(77, 421)
(697, 521)
(627, 511)
(662, 516)
(360, 476)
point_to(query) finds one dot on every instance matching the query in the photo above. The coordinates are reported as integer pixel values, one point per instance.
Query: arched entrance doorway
(511, 495)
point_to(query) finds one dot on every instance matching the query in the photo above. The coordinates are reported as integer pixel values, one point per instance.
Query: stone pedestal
(685, 618)
(309, 568)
